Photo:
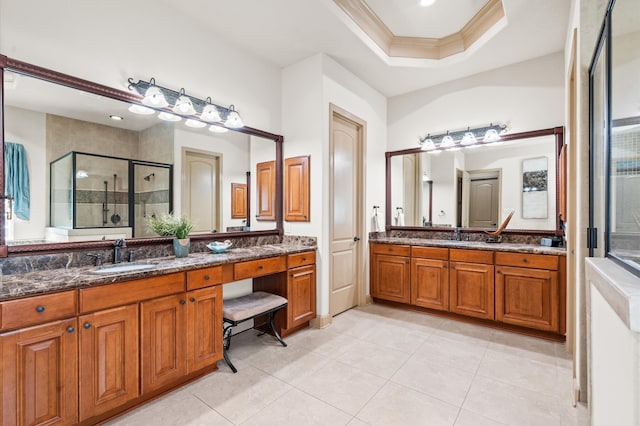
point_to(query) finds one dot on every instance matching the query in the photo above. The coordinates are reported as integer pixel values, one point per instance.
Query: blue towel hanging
(16, 178)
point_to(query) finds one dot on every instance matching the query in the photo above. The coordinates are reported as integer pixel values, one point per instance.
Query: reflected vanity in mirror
(98, 170)
(478, 186)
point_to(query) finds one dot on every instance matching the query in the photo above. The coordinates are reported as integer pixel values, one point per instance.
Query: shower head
(148, 177)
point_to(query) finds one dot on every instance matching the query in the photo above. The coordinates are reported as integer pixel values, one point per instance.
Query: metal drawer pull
(206, 278)
(87, 325)
(193, 299)
(70, 329)
(182, 302)
(40, 309)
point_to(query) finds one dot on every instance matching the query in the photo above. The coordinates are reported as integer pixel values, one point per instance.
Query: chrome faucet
(117, 245)
(456, 234)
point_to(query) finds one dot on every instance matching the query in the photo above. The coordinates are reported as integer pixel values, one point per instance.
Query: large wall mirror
(93, 177)
(477, 187)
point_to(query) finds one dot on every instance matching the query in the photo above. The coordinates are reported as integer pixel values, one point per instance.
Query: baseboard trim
(321, 321)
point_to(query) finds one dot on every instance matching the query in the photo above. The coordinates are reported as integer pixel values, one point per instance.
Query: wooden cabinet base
(486, 323)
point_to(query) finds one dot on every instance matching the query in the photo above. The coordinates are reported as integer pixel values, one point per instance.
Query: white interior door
(345, 228)
(200, 188)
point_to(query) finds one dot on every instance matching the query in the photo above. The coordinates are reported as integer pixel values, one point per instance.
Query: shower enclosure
(89, 191)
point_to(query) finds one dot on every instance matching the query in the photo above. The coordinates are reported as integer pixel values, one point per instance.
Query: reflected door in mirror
(200, 190)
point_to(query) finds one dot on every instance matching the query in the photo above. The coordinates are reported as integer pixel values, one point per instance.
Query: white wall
(526, 96)
(309, 88)
(108, 51)
(28, 128)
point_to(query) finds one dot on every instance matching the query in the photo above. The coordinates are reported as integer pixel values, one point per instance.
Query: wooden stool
(245, 308)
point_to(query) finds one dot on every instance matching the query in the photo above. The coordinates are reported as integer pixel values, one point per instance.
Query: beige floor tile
(403, 339)
(290, 364)
(342, 386)
(177, 408)
(461, 354)
(574, 416)
(381, 361)
(296, 408)
(357, 422)
(458, 330)
(523, 372)
(238, 396)
(324, 341)
(511, 405)
(398, 405)
(354, 323)
(469, 418)
(439, 380)
(526, 346)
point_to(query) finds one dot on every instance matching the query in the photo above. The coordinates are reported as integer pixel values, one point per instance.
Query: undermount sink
(127, 267)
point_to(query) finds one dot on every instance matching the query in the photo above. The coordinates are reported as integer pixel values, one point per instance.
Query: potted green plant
(170, 225)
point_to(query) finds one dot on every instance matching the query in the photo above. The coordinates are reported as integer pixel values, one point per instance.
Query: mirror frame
(558, 132)
(55, 77)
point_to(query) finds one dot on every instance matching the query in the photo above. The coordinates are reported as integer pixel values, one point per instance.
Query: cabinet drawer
(537, 261)
(473, 256)
(391, 249)
(256, 268)
(37, 309)
(301, 259)
(430, 252)
(206, 277)
(112, 295)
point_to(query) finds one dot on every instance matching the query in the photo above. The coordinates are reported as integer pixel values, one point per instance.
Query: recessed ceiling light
(427, 3)
(116, 117)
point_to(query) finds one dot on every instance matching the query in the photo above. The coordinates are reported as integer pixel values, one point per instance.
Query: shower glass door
(152, 194)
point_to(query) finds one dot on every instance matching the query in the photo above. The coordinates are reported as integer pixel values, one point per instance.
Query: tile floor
(379, 366)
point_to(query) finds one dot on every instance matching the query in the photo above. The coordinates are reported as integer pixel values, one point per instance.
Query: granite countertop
(40, 282)
(473, 245)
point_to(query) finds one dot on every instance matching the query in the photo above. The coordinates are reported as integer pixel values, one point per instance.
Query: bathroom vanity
(519, 287)
(80, 347)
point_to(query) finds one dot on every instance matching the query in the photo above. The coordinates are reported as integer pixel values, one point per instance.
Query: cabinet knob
(260, 266)
(193, 299)
(206, 278)
(498, 272)
(70, 329)
(525, 260)
(87, 325)
(182, 302)
(304, 259)
(40, 309)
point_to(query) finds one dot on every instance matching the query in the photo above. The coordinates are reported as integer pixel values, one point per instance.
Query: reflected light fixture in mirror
(218, 129)
(195, 124)
(142, 110)
(167, 116)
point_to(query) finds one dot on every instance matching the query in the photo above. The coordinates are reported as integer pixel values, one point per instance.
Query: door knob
(356, 239)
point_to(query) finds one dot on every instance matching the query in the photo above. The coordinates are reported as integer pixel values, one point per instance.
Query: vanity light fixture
(153, 96)
(218, 129)
(167, 116)
(233, 119)
(183, 105)
(471, 137)
(210, 112)
(195, 124)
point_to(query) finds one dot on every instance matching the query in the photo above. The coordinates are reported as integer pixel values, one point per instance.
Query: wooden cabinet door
(301, 294)
(471, 289)
(204, 327)
(266, 190)
(163, 335)
(296, 189)
(108, 359)
(430, 283)
(391, 278)
(528, 297)
(40, 375)
(238, 200)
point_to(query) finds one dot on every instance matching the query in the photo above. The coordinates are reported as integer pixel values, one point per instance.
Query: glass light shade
(428, 144)
(195, 123)
(167, 116)
(210, 113)
(218, 129)
(233, 119)
(81, 174)
(491, 136)
(468, 139)
(139, 109)
(155, 98)
(184, 106)
(447, 142)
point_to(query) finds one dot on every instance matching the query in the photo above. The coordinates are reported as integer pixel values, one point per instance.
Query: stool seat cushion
(251, 305)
